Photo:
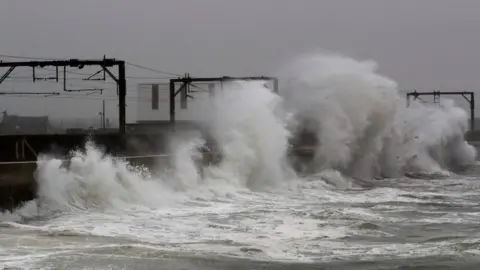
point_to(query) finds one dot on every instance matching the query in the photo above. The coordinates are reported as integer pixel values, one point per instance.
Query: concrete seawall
(19, 153)
(473, 138)
(18, 183)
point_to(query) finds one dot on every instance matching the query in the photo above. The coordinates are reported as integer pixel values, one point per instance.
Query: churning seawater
(351, 208)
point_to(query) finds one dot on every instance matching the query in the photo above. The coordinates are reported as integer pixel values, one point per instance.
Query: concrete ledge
(473, 136)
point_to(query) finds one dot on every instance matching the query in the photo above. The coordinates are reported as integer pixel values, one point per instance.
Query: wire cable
(154, 70)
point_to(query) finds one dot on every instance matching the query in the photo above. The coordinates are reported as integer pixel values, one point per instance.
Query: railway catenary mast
(104, 63)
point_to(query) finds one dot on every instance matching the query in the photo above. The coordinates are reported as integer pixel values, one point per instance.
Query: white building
(153, 102)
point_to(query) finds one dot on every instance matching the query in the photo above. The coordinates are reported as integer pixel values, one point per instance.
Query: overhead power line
(154, 70)
(26, 57)
(82, 97)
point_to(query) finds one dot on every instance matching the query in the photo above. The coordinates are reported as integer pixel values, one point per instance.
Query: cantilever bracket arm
(7, 74)
(77, 90)
(110, 73)
(90, 78)
(466, 98)
(180, 89)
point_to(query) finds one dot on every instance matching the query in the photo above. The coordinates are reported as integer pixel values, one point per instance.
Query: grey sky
(422, 44)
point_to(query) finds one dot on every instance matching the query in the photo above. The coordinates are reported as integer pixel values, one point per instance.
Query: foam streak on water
(250, 209)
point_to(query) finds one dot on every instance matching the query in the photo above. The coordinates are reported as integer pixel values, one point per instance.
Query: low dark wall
(17, 183)
(473, 136)
(27, 147)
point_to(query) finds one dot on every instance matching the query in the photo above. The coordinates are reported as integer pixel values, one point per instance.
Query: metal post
(172, 102)
(472, 111)
(101, 119)
(122, 93)
(103, 114)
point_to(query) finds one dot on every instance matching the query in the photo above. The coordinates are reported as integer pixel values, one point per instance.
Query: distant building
(153, 102)
(15, 124)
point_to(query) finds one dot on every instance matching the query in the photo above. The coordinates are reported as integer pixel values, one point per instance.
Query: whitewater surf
(350, 207)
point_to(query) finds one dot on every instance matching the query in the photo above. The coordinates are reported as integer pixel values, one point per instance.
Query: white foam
(247, 124)
(92, 180)
(362, 125)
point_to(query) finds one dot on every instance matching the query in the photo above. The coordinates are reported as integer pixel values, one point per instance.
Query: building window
(154, 96)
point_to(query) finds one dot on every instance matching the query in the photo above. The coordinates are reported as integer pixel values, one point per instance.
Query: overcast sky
(422, 44)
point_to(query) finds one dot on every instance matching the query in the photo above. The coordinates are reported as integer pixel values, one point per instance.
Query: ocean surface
(398, 224)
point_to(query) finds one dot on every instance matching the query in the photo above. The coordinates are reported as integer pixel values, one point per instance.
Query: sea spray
(349, 108)
(433, 137)
(92, 180)
(185, 167)
(247, 124)
(362, 126)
